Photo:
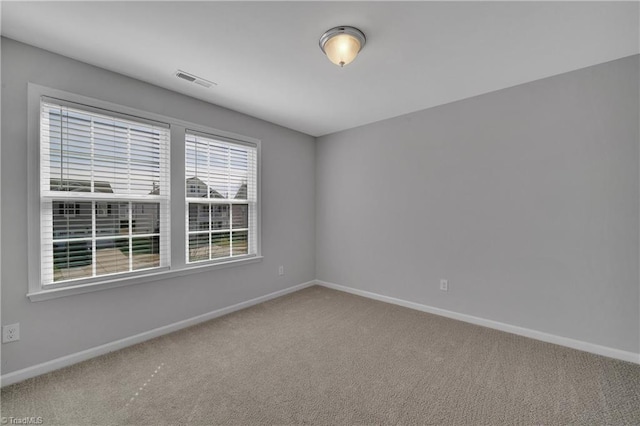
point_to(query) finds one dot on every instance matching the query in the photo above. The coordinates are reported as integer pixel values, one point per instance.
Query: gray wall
(526, 199)
(54, 328)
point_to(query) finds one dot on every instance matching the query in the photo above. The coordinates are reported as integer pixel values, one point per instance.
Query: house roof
(242, 192)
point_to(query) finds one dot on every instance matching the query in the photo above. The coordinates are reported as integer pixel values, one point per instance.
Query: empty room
(350, 213)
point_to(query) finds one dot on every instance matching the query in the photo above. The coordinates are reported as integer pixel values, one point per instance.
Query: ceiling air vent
(194, 79)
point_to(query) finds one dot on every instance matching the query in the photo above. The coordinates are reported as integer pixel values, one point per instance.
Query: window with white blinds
(221, 209)
(104, 193)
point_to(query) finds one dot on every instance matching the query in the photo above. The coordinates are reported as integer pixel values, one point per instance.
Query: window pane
(112, 256)
(220, 245)
(71, 219)
(107, 219)
(198, 247)
(240, 243)
(238, 187)
(145, 160)
(238, 160)
(218, 155)
(240, 216)
(146, 218)
(146, 252)
(120, 214)
(220, 216)
(110, 164)
(219, 170)
(198, 217)
(71, 260)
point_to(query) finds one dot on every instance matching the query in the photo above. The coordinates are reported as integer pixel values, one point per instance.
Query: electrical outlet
(10, 333)
(444, 285)
(280, 270)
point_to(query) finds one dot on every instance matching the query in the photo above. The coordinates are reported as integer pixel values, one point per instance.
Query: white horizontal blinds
(221, 198)
(104, 193)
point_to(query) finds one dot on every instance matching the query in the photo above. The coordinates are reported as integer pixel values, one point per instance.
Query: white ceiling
(266, 61)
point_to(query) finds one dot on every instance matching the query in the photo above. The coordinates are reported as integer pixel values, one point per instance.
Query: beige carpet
(325, 357)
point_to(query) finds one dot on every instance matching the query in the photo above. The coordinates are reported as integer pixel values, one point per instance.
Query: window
(99, 204)
(104, 193)
(221, 198)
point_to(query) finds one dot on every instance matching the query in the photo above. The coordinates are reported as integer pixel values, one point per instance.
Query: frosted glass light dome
(342, 44)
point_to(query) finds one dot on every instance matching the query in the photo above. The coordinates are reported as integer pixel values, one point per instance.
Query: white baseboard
(521, 331)
(55, 364)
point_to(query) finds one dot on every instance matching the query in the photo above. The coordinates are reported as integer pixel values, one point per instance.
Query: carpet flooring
(321, 356)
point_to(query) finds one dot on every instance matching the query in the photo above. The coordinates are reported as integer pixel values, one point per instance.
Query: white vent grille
(194, 79)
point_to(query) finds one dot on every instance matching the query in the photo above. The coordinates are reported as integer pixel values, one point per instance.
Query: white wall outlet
(10, 333)
(444, 285)
(281, 270)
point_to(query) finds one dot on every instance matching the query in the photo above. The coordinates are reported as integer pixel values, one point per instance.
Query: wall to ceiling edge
(526, 199)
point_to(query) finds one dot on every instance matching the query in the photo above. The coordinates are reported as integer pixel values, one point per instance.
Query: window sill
(55, 293)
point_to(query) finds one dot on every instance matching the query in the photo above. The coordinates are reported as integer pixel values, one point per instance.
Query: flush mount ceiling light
(342, 44)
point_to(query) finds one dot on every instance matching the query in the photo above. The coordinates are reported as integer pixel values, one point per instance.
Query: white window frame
(178, 265)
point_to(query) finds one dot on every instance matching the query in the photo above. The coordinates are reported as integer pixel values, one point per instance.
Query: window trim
(177, 128)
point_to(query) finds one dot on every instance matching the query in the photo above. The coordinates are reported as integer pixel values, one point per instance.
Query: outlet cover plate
(10, 333)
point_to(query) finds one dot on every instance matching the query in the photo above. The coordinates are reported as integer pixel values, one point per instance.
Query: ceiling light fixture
(342, 44)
